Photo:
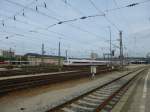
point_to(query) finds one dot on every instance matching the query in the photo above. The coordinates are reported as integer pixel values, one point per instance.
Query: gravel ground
(132, 66)
(40, 99)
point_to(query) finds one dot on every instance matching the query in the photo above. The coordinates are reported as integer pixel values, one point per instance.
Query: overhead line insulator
(45, 5)
(84, 17)
(131, 5)
(36, 8)
(14, 18)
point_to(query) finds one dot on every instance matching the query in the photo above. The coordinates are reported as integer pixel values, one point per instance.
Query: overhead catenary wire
(44, 34)
(23, 13)
(16, 20)
(59, 35)
(127, 6)
(83, 17)
(24, 36)
(71, 20)
(68, 21)
(75, 19)
(31, 9)
(12, 34)
(86, 31)
(60, 22)
(62, 35)
(123, 17)
(72, 7)
(65, 21)
(83, 29)
(22, 10)
(101, 12)
(76, 27)
(115, 2)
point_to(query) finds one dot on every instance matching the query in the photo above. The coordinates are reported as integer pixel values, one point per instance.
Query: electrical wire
(123, 17)
(108, 20)
(72, 7)
(60, 22)
(84, 17)
(79, 18)
(23, 9)
(47, 35)
(127, 6)
(62, 35)
(75, 19)
(31, 9)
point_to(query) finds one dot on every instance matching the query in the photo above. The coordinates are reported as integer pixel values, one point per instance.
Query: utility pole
(110, 44)
(10, 56)
(42, 53)
(66, 54)
(59, 58)
(121, 50)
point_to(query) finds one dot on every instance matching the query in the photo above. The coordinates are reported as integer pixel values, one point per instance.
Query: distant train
(74, 62)
(69, 62)
(87, 62)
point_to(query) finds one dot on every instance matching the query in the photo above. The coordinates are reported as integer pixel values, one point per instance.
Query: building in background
(94, 55)
(7, 53)
(37, 59)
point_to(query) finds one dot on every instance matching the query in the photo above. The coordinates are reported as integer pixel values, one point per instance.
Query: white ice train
(86, 62)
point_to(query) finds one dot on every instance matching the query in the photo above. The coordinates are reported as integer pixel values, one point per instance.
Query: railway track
(9, 84)
(102, 98)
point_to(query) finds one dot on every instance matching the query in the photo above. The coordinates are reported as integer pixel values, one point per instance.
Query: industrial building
(37, 59)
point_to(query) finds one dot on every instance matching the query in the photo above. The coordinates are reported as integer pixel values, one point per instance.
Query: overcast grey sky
(28, 32)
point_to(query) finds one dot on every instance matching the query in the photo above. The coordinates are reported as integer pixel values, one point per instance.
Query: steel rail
(75, 100)
(9, 85)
